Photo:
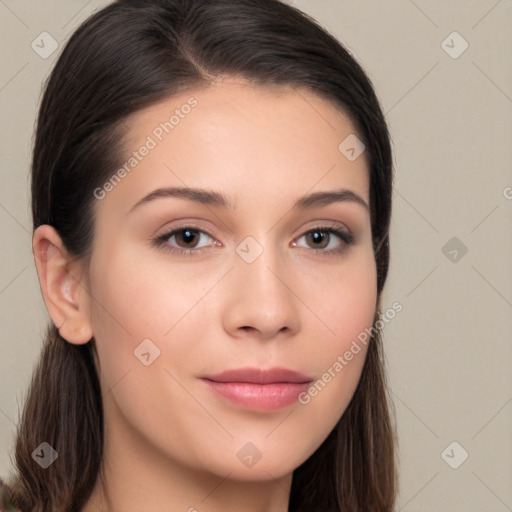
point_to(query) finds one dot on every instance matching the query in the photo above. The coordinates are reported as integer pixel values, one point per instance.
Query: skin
(171, 443)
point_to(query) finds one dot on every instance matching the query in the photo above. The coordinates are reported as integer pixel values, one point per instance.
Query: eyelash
(346, 237)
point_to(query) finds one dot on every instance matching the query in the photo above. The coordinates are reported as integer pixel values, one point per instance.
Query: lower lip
(259, 397)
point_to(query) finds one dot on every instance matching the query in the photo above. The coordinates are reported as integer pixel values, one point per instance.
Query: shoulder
(6, 501)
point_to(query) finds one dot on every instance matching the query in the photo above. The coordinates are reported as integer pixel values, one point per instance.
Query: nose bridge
(260, 298)
(254, 265)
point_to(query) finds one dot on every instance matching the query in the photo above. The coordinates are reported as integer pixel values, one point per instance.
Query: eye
(327, 239)
(183, 240)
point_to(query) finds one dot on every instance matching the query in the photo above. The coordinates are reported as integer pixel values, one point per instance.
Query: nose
(260, 300)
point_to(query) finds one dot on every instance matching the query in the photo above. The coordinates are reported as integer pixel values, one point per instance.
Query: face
(247, 274)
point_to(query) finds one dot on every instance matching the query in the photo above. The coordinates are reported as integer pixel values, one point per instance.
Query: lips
(260, 376)
(258, 389)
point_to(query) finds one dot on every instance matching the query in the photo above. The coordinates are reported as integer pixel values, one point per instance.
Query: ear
(63, 286)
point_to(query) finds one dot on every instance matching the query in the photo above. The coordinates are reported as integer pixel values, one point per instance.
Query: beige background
(449, 350)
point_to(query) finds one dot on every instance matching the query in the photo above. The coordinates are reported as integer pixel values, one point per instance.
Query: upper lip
(260, 376)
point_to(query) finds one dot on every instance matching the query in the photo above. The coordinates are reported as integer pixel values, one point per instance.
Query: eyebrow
(212, 198)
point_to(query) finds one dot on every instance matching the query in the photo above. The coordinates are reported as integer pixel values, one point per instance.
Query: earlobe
(62, 285)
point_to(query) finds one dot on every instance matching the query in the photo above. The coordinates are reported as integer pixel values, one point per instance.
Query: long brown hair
(123, 58)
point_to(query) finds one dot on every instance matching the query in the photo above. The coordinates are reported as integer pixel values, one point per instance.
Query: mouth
(259, 389)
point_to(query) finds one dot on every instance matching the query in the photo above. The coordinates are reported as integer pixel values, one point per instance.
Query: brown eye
(185, 240)
(318, 239)
(326, 240)
(187, 237)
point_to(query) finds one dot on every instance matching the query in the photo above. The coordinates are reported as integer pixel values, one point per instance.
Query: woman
(211, 198)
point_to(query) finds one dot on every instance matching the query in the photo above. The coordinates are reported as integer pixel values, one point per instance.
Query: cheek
(345, 298)
(133, 301)
(353, 309)
(346, 304)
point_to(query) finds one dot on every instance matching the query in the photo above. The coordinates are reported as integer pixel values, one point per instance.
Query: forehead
(230, 100)
(240, 137)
